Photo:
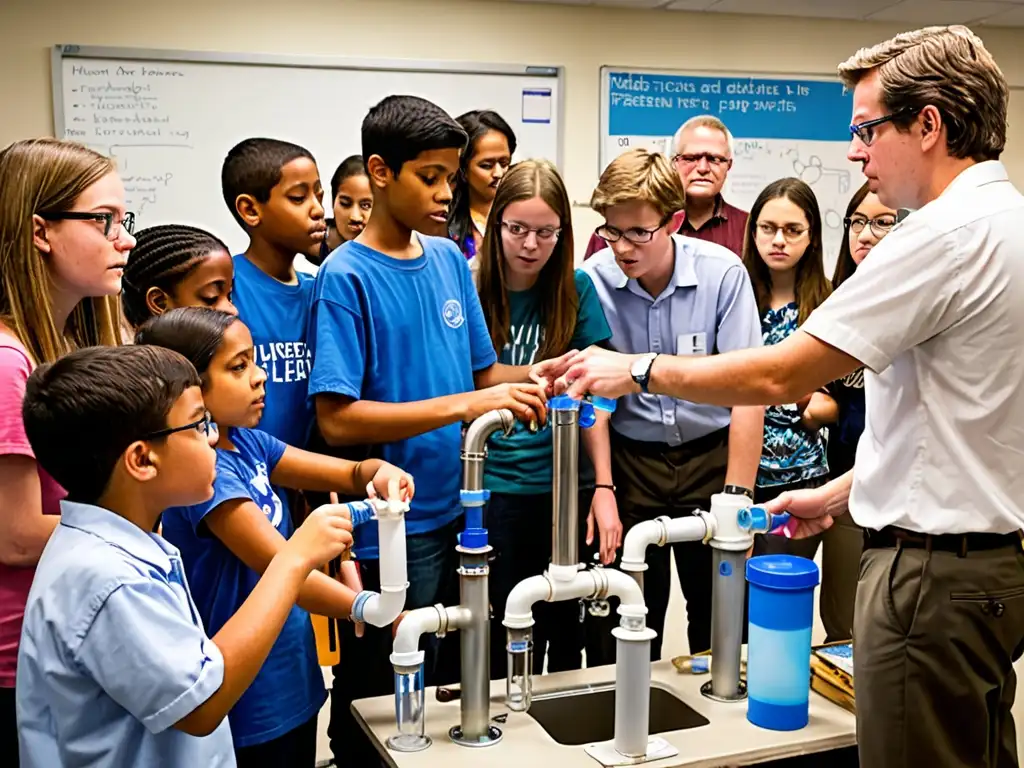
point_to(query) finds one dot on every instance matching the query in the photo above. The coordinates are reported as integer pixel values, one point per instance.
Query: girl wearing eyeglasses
(783, 254)
(64, 240)
(867, 221)
(228, 541)
(538, 306)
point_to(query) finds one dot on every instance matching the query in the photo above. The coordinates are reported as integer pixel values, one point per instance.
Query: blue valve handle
(586, 407)
(759, 520)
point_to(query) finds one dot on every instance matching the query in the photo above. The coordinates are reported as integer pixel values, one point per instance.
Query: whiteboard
(170, 117)
(782, 126)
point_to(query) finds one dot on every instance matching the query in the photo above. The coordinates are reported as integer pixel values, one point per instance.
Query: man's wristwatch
(739, 490)
(641, 370)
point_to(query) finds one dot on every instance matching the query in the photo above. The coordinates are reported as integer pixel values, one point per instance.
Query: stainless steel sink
(583, 715)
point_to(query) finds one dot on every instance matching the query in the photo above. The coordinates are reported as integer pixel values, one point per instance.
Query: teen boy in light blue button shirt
(115, 668)
(669, 294)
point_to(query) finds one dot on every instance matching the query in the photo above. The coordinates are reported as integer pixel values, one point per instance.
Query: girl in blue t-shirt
(537, 306)
(228, 541)
(783, 255)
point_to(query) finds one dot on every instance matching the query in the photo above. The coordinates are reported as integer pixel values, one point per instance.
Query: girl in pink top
(64, 241)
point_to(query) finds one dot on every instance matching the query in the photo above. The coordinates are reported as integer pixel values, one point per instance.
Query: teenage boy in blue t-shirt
(274, 192)
(402, 357)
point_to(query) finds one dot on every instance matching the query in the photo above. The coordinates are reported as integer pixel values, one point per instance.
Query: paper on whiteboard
(537, 105)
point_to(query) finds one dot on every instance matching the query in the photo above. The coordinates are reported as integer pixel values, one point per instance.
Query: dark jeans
(654, 479)
(295, 749)
(520, 533)
(8, 725)
(365, 669)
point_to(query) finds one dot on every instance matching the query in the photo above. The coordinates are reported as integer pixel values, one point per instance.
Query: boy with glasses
(115, 666)
(665, 293)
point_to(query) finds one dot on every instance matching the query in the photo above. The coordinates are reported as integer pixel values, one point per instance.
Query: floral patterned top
(790, 453)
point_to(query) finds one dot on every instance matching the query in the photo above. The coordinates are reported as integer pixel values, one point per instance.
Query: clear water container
(409, 711)
(781, 614)
(519, 683)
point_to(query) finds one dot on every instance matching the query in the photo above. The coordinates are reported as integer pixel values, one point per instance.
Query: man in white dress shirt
(936, 317)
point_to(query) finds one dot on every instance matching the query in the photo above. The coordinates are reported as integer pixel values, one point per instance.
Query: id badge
(692, 344)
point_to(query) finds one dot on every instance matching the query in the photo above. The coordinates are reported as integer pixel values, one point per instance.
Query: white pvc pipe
(641, 536)
(519, 605)
(381, 609)
(690, 528)
(624, 587)
(405, 652)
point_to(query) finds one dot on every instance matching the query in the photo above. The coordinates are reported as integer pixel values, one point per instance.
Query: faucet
(472, 616)
(729, 527)
(566, 579)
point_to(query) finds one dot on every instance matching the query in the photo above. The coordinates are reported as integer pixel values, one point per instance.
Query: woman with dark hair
(782, 251)
(485, 161)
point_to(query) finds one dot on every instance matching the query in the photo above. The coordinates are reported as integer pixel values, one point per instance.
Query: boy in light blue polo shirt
(115, 667)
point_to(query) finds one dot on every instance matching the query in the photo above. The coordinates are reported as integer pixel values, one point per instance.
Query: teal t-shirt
(521, 463)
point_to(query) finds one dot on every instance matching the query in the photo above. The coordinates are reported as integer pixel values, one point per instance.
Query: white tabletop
(729, 739)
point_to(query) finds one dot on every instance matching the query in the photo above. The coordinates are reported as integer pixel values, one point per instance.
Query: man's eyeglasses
(791, 232)
(521, 231)
(714, 161)
(880, 226)
(635, 235)
(111, 226)
(202, 426)
(866, 131)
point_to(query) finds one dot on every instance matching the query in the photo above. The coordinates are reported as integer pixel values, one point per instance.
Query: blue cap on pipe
(563, 403)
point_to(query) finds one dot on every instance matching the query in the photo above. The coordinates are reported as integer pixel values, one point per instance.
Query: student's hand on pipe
(391, 483)
(599, 372)
(547, 371)
(349, 574)
(604, 512)
(324, 535)
(807, 507)
(526, 401)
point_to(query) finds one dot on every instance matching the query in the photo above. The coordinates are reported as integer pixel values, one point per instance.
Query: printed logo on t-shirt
(854, 379)
(524, 343)
(268, 501)
(284, 361)
(451, 312)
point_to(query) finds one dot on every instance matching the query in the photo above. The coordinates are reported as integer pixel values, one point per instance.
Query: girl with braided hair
(173, 265)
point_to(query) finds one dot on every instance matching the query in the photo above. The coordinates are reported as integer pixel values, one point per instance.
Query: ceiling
(1005, 13)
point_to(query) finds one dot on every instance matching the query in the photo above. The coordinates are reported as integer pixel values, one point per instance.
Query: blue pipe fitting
(359, 605)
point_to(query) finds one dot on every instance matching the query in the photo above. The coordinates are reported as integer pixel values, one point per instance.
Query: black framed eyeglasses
(866, 131)
(880, 226)
(635, 235)
(692, 159)
(202, 426)
(109, 230)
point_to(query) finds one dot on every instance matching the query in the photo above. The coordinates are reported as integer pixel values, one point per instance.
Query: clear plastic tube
(410, 711)
(519, 683)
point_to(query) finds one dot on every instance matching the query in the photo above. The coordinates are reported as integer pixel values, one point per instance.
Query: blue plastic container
(779, 642)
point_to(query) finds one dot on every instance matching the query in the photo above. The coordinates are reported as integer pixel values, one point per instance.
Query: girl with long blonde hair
(64, 242)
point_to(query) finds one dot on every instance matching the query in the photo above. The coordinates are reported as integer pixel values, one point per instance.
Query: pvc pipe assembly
(381, 608)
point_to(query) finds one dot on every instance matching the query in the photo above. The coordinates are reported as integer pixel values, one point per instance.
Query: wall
(580, 38)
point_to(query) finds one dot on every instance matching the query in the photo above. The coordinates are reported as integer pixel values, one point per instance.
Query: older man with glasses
(936, 318)
(702, 155)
